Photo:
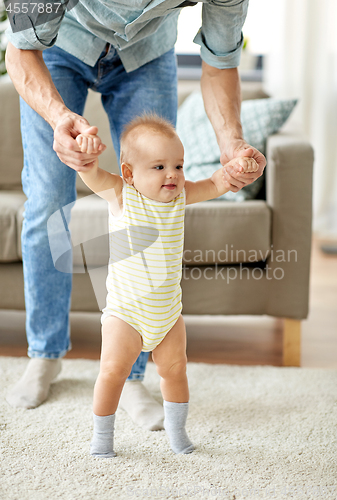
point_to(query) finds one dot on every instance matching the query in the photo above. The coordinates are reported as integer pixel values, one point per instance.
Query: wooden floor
(242, 340)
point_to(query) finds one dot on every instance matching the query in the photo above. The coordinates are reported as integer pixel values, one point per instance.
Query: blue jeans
(50, 185)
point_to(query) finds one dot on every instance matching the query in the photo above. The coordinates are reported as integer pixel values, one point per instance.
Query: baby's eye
(159, 167)
(179, 167)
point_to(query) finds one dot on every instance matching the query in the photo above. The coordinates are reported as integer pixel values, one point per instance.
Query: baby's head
(152, 158)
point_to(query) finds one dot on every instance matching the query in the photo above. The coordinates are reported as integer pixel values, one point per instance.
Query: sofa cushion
(260, 118)
(227, 232)
(207, 226)
(215, 233)
(10, 203)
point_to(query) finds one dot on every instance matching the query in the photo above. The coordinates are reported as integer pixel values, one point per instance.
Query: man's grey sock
(33, 387)
(174, 423)
(102, 444)
(141, 406)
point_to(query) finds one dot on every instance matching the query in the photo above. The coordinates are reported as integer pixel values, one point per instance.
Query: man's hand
(246, 164)
(234, 176)
(67, 128)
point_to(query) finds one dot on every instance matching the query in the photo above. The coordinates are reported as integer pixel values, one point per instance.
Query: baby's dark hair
(146, 122)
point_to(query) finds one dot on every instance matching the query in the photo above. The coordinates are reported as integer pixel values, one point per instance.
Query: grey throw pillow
(259, 117)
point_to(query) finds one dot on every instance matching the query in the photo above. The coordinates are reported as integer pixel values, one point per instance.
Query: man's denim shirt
(140, 30)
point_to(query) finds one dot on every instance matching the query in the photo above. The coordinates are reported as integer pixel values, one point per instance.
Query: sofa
(250, 257)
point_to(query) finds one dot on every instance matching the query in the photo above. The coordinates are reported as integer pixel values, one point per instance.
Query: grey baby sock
(102, 444)
(174, 423)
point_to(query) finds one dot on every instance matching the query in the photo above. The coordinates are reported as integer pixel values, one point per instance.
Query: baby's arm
(105, 184)
(211, 188)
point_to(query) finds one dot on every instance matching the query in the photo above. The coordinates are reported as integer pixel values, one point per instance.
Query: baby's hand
(248, 164)
(88, 143)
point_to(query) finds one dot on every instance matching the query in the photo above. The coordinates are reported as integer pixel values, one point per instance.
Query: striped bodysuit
(145, 267)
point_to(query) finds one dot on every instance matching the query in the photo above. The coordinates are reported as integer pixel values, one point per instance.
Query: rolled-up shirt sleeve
(37, 37)
(220, 36)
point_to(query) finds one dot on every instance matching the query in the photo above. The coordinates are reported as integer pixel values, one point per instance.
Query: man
(125, 51)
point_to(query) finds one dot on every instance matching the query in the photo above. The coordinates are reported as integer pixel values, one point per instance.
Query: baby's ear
(127, 173)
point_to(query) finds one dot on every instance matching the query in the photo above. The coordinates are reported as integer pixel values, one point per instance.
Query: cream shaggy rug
(260, 432)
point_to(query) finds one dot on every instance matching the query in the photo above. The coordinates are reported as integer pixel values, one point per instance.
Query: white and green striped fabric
(146, 248)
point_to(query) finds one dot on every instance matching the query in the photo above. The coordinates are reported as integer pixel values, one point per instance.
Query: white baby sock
(33, 387)
(174, 423)
(102, 444)
(140, 405)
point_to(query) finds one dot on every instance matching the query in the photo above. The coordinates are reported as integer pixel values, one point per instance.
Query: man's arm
(222, 98)
(221, 93)
(33, 82)
(220, 38)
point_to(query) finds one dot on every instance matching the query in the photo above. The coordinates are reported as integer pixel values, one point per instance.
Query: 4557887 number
(25, 8)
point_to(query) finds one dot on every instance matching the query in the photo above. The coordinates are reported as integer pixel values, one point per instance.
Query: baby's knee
(114, 371)
(174, 370)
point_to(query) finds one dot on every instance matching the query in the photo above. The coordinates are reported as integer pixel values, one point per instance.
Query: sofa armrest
(289, 195)
(11, 155)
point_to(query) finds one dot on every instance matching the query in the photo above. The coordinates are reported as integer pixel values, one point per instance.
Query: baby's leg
(121, 345)
(170, 359)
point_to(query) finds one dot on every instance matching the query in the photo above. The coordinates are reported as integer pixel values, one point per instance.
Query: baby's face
(157, 166)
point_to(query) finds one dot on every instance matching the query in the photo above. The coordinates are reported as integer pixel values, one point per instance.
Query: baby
(143, 307)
